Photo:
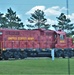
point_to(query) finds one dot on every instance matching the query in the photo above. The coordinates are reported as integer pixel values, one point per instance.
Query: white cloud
(63, 9)
(51, 11)
(50, 21)
(35, 8)
(71, 17)
(55, 7)
(54, 11)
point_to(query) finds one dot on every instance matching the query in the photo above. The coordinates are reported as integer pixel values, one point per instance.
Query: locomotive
(34, 43)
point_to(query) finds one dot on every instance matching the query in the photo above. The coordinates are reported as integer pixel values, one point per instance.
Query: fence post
(52, 54)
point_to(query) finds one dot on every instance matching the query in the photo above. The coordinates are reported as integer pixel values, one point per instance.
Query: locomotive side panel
(10, 39)
(20, 43)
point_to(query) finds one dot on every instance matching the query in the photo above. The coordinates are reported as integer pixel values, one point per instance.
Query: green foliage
(38, 19)
(64, 24)
(3, 21)
(10, 20)
(47, 26)
(13, 20)
(30, 26)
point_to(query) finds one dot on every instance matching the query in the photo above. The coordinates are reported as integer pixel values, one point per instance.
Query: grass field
(37, 67)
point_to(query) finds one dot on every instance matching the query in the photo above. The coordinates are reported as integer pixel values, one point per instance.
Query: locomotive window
(0, 33)
(62, 37)
(55, 36)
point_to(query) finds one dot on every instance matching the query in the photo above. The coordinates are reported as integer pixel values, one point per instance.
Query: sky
(51, 8)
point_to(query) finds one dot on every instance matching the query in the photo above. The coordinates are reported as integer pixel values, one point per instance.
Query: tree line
(37, 20)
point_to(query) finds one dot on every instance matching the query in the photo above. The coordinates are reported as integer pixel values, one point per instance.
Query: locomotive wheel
(16, 55)
(59, 53)
(6, 55)
(23, 54)
(68, 53)
(1, 58)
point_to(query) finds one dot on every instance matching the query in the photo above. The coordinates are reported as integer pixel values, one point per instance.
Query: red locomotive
(39, 42)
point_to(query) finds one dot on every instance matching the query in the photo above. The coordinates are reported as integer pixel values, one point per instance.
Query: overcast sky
(52, 8)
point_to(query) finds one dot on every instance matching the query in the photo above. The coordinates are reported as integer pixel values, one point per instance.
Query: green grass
(36, 67)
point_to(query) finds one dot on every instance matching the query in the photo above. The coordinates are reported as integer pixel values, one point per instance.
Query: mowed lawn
(37, 67)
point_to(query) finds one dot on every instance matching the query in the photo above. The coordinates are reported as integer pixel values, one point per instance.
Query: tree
(38, 19)
(13, 21)
(64, 24)
(47, 26)
(30, 26)
(3, 21)
(1, 14)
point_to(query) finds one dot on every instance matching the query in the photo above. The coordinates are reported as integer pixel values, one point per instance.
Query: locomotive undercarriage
(24, 53)
(67, 52)
(14, 53)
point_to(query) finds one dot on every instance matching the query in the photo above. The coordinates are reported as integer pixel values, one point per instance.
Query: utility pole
(67, 7)
(68, 47)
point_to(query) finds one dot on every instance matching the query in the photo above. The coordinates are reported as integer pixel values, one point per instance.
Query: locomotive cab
(61, 39)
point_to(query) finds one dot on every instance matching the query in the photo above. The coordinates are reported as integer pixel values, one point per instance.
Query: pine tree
(64, 24)
(13, 20)
(38, 19)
